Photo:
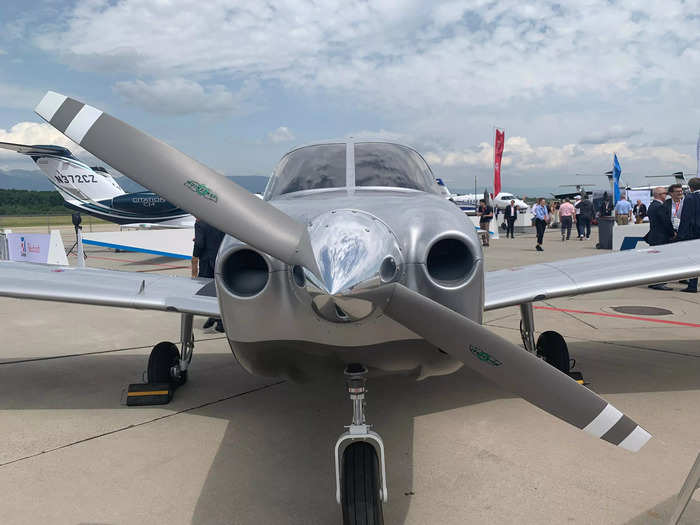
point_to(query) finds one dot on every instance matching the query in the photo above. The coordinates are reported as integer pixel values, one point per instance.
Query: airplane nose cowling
(354, 250)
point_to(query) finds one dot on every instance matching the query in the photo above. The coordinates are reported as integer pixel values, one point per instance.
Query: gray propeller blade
(181, 180)
(510, 366)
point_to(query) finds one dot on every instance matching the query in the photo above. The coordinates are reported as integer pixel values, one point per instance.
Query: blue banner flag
(616, 178)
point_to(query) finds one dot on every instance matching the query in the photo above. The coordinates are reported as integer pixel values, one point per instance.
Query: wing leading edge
(597, 273)
(108, 288)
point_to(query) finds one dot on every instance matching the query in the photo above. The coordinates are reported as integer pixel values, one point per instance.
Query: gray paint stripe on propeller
(65, 114)
(620, 431)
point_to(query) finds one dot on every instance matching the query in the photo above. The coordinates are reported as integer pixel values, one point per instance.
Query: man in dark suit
(639, 211)
(510, 214)
(689, 228)
(660, 227)
(207, 240)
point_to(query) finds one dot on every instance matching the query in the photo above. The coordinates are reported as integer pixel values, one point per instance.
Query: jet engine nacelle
(144, 202)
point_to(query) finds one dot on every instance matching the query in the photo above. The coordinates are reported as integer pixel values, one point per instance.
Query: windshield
(313, 167)
(384, 164)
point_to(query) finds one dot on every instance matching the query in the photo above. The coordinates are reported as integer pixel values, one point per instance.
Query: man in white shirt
(675, 204)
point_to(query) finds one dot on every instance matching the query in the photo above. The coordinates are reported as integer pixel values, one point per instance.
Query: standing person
(554, 214)
(485, 213)
(623, 211)
(585, 217)
(639, 211)
(567, 214)
(207, 240)
(541, 219)
(606, 206)
(510, 214)
(690, 223)
(660, 228)
(674, 205)
(577, 207)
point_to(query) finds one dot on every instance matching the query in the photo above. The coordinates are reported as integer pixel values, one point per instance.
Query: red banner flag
(497, 154)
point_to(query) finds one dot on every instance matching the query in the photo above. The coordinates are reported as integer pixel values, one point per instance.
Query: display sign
(642, 195)
(37, 247)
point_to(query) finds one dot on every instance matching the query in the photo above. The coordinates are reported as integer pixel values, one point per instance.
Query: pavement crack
(142, 423)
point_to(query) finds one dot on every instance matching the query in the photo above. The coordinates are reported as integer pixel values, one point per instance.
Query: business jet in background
(468, 202)
(94, 191)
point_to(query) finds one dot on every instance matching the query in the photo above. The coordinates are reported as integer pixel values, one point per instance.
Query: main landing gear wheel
(360, 485)
(163, 358)
(552, 347)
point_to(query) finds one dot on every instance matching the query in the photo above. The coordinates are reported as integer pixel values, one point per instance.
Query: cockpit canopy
(377, 164)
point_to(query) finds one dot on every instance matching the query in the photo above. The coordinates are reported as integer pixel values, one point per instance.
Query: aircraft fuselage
(281, 330)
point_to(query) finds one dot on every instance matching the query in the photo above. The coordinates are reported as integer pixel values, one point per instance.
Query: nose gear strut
(354, 444)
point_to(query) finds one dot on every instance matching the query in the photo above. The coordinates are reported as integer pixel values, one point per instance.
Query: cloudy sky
(236, 84)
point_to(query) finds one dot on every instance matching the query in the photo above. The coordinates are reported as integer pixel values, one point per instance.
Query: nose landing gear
(361, 484)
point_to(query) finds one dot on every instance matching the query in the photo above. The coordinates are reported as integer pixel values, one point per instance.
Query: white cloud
(2, 52)
(414, 54)
(181, 96)
(281, 134)
(520, 155)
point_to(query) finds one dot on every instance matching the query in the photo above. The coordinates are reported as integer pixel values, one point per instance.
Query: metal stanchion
(78, 245)
(692, 483)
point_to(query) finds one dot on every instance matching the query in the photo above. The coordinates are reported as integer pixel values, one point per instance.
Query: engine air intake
(245, 273)
(449, 261)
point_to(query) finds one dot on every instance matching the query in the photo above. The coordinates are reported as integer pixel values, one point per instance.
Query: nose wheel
(361, 484)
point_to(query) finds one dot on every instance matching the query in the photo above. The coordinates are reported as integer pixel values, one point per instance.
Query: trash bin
(605, 236)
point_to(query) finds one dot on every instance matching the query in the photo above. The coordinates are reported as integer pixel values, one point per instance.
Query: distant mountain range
(35, 180)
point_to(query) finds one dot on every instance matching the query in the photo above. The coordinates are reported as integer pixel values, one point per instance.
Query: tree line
(27, 202)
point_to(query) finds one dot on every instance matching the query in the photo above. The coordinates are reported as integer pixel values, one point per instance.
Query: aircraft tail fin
(77, 182)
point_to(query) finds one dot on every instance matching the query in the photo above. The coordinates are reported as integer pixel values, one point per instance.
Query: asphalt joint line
(143, 423)
(98, 352)
(611, 343)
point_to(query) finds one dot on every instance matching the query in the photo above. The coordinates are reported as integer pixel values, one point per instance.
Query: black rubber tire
(163, 357)
(552, 347)
(360, 486)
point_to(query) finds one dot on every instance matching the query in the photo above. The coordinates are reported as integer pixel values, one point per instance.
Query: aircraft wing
(108, 288)
(597, 273)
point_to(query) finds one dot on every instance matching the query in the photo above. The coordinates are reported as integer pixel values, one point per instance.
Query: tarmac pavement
(233, 448)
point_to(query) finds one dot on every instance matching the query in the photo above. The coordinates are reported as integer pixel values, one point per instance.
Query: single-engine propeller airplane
(352, 262)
